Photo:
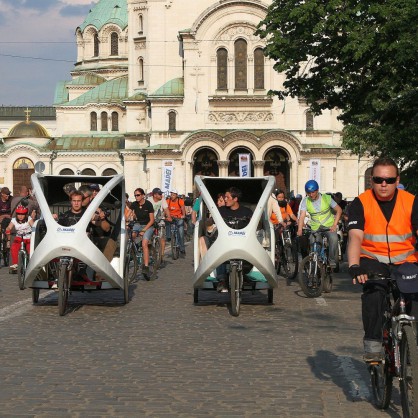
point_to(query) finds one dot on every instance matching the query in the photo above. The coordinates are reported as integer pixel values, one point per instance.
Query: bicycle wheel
(35, 295)
(310, 278)
(156, 254)
(175, 251)
(63, 289)
(290, 261)
(131, 264)
(381, 380)
(327, 280)
(127, 277)
(408, 381)
(235, 288)
(21, 269)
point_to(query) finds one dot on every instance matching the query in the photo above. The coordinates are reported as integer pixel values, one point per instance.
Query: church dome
(28, 129)
(107, 11)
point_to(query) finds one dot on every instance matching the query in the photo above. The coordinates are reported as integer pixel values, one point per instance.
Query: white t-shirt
(159, 207)
(23, 228)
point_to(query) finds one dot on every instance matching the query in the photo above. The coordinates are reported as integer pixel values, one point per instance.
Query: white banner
(244, 165)
(315, 171)
(167, 170)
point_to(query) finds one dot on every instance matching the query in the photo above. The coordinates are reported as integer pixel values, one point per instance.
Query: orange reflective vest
(284, 211)
(393, 241)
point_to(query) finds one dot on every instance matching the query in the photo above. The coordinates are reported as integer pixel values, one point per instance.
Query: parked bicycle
(315, 270)
(400, 354)
(286, 253)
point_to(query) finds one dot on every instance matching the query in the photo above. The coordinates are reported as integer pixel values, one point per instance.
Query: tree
(360, 57)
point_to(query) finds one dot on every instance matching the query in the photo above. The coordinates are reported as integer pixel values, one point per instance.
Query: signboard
(315, 171)
(244, 165)
(167, 170)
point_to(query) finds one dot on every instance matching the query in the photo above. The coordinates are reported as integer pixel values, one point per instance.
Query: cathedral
(158, 84)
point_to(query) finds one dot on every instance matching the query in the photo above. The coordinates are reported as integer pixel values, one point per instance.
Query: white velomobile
(247, 253)
(58, 251)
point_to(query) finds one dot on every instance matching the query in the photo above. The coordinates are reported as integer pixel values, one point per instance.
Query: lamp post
(52, 157)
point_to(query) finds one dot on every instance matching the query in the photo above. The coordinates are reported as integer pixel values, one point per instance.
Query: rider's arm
(167, 214)
(338, 213)
(183, 211)
(353, 251)
(276, 210)
(151, 221)
(9, 228)
(301, 222)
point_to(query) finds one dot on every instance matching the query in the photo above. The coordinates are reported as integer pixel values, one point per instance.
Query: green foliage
(358, 56)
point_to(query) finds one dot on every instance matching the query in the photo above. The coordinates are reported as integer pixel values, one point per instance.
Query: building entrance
(23, 168)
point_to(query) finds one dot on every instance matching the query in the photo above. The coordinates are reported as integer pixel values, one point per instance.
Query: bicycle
(175, 239)
(22, 262)
(131, 256)
(286, 253)
(65, 273)
(156, 255)
(400, 355)
(4, 246)
(315, 270)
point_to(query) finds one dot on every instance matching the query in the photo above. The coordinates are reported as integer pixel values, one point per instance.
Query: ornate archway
(233, 166)
(23, 168)
(205, 163)
(277, 165)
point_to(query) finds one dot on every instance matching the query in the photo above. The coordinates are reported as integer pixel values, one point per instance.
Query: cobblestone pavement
(162, 356)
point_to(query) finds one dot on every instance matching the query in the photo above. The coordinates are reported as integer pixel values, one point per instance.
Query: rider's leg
(145, 242)
(333, 248)
(14, 250)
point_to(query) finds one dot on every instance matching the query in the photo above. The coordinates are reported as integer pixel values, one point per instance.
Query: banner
(167, 170)
(244, 165)
(315, 171)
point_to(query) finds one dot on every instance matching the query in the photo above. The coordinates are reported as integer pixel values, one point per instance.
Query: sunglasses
(136, 195)
(388, 180)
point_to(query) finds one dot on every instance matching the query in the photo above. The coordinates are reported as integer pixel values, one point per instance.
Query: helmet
(21, 210)
(311, 186)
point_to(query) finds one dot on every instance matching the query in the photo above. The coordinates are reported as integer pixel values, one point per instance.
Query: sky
(37, 48)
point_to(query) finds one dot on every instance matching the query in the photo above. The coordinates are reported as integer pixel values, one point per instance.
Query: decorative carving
(223, 163)
(259, 163)
(140, 45)
(240, 117)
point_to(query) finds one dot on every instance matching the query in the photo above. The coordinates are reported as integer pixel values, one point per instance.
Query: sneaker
(183, 254)
(146, 272)
(13, 267)
(221, 287)
(372, 357)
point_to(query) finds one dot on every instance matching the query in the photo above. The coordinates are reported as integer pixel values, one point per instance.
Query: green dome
(107, 11)
(28, 129)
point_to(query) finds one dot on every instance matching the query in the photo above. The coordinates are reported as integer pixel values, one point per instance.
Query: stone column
(223, 168)
(258, 168)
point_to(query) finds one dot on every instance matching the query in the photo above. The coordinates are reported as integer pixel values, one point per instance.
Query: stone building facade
(159, 80)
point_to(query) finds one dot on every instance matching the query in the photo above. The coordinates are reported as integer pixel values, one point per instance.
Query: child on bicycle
(22, 223)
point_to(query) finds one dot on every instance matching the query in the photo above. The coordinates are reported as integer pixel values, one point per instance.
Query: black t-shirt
(356, 214)
(69, 218)
(5, 207)
(142, 212)
(242, 212)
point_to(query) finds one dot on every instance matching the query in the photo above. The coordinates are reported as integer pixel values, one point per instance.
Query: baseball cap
(157, 190)
(174, 191)
(298, 196)
(406, 276)
(5, 190)
(95, 187)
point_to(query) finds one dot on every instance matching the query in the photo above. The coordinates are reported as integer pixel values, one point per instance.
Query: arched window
(114, 44)
(140, 25)
(96, 45)
(103, 118)
(240, 64)
(115, 121)
(259, 69)
(172, 116)
(66, 172)
(88, 172)
(222, 65)
(309, 121)
(141, 69)
(93, 121)
(109, 172)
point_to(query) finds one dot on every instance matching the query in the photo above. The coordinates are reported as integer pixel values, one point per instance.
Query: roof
(174, 87)
(88, 143)
(107, 11)
(112, 91)
(61, 93)
(36, 112)
(88, 79)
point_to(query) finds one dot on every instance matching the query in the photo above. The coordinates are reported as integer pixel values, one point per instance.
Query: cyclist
(22, 223)
(177, 210)
(25, 199)
(320, 208)
(5, 207)
(382, 225)
(286, 210)
(160, 212)
(144, 224)
(232, 209)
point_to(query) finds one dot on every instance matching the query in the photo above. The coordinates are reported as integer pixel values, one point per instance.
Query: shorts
(148, 233)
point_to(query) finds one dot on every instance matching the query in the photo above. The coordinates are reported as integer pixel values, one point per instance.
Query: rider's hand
(357, 273)
(333, 228)
(300, 232)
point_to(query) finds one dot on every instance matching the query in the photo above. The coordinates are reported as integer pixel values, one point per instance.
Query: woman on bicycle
(22, 223)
